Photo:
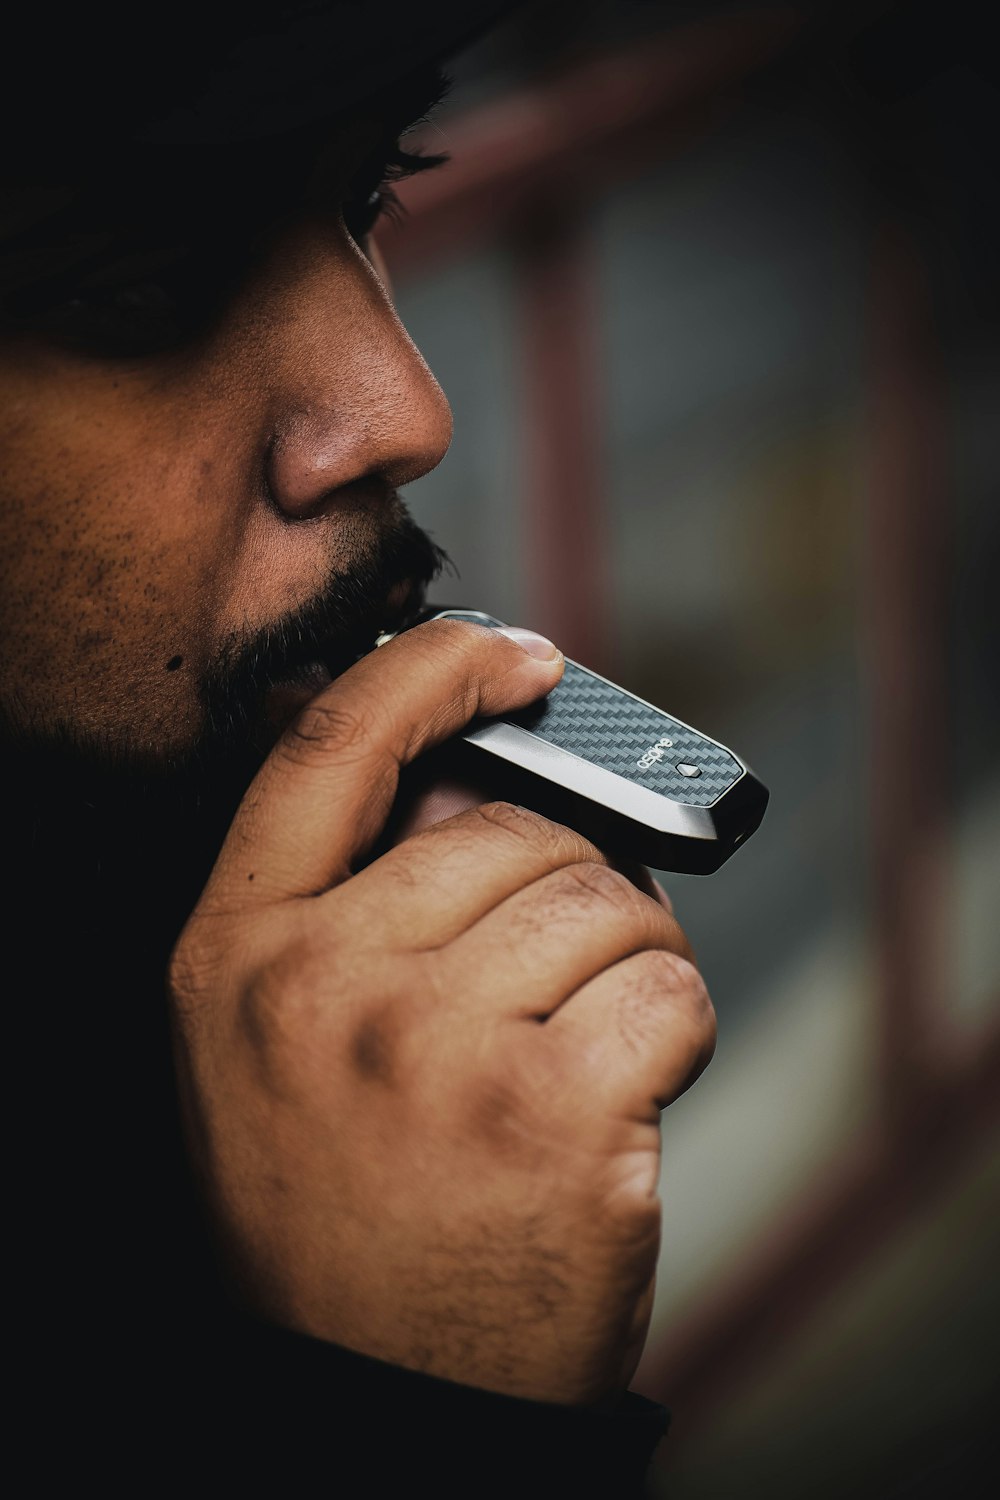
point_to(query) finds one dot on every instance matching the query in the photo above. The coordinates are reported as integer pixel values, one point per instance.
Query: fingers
(325, 790)
(545, 941)
(638, 1034)
(444, 798)
(443, 879)
(641, 877)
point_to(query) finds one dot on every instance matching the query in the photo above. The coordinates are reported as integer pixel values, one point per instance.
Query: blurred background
(712, 289)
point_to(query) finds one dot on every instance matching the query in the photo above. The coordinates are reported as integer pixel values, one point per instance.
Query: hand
(445, 796)
(424, 1097)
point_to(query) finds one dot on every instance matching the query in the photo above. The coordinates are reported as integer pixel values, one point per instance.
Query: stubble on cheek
(91, 636)
(119, 598)
(104, 617)
(139, 552)
(127, 498)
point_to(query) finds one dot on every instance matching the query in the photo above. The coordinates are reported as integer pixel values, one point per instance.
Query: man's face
(172, 521)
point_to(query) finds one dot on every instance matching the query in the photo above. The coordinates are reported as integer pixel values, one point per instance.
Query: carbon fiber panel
(592, 719)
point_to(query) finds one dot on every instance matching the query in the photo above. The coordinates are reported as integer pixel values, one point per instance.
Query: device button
(687, 770)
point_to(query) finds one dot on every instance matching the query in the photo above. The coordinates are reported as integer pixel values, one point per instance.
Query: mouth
(259, 680)
(283, 699)
(318, 662)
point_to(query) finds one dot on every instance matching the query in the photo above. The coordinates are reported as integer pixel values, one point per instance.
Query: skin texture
(425, 1097)
(157, 508)
(422, 1093)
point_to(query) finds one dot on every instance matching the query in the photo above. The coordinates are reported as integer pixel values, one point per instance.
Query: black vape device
(629, 777)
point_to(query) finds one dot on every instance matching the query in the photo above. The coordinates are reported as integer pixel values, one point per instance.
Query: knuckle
(460, 643)
(693, 987)
(448, 649)
(321, 731)
(474, 656)
(551, 839)
(185, 983)
(301, 1038)
(282, 1018)
(631, 1213)
(279, 998)
(662, 974)
(453, 635)
(462, 638)
(195, 968)
(626, 1186)
(520, 821)
(606, 887)
(506, 815)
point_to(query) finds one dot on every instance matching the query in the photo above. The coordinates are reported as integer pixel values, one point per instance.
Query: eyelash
(361, 214)
(360, 218)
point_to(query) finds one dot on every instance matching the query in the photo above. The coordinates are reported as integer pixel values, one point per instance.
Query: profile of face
(190, 521)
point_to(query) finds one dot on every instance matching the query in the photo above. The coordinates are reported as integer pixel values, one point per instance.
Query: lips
(307, 676)
(282, 700)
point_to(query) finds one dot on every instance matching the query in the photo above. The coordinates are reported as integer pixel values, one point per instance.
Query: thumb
(326, 789)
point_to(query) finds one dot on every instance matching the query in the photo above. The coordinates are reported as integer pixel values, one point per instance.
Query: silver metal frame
(654, 809)
(648, 814)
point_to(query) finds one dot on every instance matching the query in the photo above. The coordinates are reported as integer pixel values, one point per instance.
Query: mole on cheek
(174, 663)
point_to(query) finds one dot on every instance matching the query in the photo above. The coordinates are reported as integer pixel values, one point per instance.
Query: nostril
(351, 399)
(306, 459)
(313, 455)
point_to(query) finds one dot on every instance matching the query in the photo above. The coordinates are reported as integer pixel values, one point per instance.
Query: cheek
(110, 569)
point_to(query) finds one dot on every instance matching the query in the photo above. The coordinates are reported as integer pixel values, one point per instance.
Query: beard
(382, 589)
(131, 838)
(106, 854)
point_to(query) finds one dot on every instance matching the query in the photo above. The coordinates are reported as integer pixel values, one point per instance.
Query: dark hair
(139, 245)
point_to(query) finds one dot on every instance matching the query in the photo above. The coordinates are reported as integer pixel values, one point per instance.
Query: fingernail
(530, 641)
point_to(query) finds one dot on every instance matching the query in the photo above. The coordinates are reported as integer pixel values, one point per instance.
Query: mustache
(379, 591)
(95, 811)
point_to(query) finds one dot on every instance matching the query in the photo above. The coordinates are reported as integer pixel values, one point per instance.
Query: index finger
(325, 791)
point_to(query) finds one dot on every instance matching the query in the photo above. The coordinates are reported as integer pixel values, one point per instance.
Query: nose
(353, 397)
